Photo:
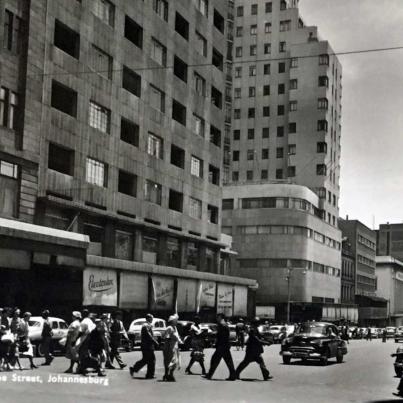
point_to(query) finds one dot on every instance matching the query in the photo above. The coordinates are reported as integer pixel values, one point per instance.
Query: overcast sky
(372, 117)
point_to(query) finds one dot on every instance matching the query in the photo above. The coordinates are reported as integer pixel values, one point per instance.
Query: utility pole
(289, 271)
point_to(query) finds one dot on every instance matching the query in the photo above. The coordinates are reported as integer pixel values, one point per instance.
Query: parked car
(134, 332)
(390, 332)
(399, 334)
(314, 341)
(279, 332)
(59, 330)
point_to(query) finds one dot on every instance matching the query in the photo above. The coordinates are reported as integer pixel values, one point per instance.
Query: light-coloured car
(59, 331)
(279, 332)
(134, 332)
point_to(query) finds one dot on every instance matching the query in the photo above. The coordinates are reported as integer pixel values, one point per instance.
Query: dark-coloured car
(314, 341)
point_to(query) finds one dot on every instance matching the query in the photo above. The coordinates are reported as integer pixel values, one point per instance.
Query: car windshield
(33, 323)
(311, 328)
(138, 323)
(274, 327)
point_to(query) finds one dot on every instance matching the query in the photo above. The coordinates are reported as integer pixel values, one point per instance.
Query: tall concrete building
(281, 199)
(112, 122)
(390, 240)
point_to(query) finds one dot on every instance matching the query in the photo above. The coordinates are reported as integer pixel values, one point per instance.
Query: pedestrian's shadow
(251, 380)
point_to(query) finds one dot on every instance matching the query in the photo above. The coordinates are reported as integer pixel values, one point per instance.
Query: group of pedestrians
(14, 339)
(170, 348)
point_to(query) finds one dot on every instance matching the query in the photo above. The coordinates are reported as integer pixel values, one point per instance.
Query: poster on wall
(240, 300)
(133, 291)
(163, 293)
(206, 295)
(100, 287)
(186, 298)
(225, 299)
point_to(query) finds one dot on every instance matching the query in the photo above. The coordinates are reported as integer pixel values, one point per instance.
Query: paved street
(365, 376)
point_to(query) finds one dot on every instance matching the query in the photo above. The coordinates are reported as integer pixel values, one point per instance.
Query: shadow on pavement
(309, 363)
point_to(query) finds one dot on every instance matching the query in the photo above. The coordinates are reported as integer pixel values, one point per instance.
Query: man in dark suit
(47, 333)
(148, 344)
(254, 351)
(223, 350)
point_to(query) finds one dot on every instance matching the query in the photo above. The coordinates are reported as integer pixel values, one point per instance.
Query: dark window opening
(216, 97)
(131, 81)
(212, 213)
(133, 32)
(215, 136)
(129, 132)
(218, 59)
(61, 159)
(218, 21)
(292, 127)
(175, 200)
(177, 156)
(213, 175)
(66, 39)
(181, 26)
(228, 204)
(127, 183)
(180, 69)
(64, 99)
(179, 112)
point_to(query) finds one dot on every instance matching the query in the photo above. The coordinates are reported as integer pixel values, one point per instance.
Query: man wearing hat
(254, 351)
(223, 349)
(148, 344)
(47, 338)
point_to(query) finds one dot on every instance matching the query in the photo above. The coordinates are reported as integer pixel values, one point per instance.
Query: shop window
(133, 32)
(64, 99)
(61, 159)
(173, 252)
(129, 132)
(150, 248)
(127, 183)
(124, 242)
(192, 254)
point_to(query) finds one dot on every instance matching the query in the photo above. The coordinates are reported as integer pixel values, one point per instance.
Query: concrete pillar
(183, 263)
(138, 245)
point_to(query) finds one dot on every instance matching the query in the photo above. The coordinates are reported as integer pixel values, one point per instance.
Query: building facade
(282, 243)
(285, 153)
(112, 122)
(347, 273)
(389, 272)
(390, 240)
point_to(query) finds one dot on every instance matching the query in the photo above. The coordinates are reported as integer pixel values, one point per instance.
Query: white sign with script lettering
(100, 287)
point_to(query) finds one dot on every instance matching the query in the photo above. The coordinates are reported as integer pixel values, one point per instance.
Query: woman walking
(25, 348)
(197, 345)
(72, 336)
(171, 349)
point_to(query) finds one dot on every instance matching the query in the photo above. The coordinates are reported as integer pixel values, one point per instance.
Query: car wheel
(396, 341)
(286, 359)
(39, 352)
(339, 357)
(324, 360)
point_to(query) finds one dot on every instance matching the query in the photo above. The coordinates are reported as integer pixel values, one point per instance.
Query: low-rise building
(389, 272)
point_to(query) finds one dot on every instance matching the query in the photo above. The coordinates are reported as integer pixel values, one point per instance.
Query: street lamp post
(289, 269)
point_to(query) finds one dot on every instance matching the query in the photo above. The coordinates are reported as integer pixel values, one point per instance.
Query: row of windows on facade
(69, 41)
(347, 268)
(62, 160)
(289, 263)
(254, 8)
(287, 230)
(13, 33)
(367, 282)
(105, 10)
(323, 104)
(366, 242)
(347, 293)
(275, 202)
(322, 125)
(323, 81)
(366, 261)
(285, 25)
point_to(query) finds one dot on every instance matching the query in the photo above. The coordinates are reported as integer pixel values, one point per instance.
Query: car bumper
(302, 354)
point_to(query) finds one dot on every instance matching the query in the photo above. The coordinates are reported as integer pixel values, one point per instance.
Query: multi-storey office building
(362, 242)
(390, 240)
(112, 121)
(347, 272)
(286, 130)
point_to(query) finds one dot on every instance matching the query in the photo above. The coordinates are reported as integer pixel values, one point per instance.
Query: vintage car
(399, 334)
(59, 332)
(314, 341)
(134, 332)
(279, 332)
